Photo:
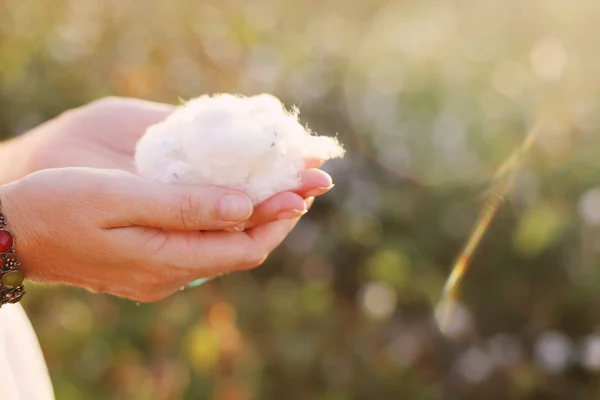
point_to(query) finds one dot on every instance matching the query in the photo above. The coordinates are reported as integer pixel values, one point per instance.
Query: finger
(286, 205)
(315, 182)
(289, 205)
(309, 202)
(139, 202)
(133, 113)
(313, 163)
(131, 117)
(227, 252)
(180, 257)
(193, 254)
(268, 236)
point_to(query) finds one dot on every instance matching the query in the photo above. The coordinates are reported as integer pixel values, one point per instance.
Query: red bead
(6, 241)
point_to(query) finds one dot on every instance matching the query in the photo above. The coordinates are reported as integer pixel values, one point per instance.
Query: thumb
(147, 203)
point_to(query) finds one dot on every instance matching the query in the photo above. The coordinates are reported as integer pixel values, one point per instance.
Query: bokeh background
(429, 98)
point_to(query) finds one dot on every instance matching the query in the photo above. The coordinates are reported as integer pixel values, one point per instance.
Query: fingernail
(309, 202)
(320, 190)
(235, 208)
(240, 227)
(291, 214)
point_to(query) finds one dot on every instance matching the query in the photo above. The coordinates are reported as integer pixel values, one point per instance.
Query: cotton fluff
(252, 144)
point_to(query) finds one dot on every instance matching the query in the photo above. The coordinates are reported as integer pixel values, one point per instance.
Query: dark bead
(6, 241)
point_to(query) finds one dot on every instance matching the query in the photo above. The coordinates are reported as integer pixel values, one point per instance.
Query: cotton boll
(159, 156)
(251, 144)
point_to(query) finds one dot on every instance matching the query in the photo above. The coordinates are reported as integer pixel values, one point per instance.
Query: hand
(110, 231)
(103, 134)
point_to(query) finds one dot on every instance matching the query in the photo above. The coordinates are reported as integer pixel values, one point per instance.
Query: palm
(103, 136)
(96, 149)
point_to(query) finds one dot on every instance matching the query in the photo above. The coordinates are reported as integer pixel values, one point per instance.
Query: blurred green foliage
(429, 97)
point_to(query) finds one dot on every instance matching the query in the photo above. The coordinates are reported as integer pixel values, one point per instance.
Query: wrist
(14, 155)
(11, 277)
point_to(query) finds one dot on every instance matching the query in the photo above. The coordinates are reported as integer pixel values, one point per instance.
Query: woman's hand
(113, 232)
(104, 133)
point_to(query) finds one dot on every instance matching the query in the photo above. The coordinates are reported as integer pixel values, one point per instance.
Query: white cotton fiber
(252, 144)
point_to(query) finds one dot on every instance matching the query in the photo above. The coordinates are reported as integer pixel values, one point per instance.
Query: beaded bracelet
(11, 279)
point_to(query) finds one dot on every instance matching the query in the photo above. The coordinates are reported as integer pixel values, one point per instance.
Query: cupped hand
(104, 133)
(110, 231)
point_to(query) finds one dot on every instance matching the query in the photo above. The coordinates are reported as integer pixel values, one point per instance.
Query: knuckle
(189, 211)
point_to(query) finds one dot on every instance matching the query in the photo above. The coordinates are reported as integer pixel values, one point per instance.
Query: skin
(81, 216)
(103, 134)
